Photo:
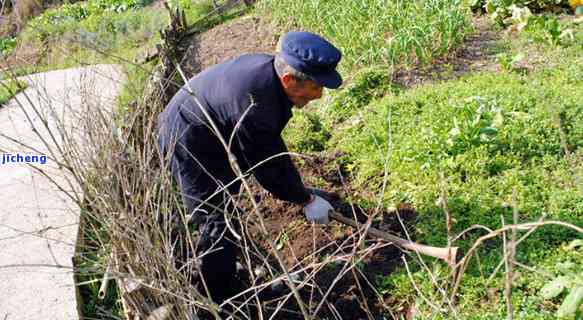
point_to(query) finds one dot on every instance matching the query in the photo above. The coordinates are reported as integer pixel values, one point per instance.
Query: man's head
(305, 63)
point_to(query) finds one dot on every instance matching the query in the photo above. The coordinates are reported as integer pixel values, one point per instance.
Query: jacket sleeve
(259, 139)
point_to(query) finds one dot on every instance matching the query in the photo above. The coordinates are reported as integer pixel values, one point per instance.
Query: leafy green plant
(9, 88)
(508, 62)
(547, 29)
(96, 6)
(570, 280)
(477, 123)
(55, 22)
(7, 45)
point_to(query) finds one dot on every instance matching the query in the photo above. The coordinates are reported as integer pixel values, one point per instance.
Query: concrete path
(38, 222)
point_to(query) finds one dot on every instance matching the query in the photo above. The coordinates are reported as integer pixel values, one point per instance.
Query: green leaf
(489, 131)
(490, 7)
(554, 288)
(498, 120)
(566, 267)
(575, 244)
(572, 302)
(517, 58)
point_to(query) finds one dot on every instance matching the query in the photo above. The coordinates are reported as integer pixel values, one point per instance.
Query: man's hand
(317, 210)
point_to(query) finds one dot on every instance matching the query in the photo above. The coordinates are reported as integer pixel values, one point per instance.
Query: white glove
(318, 210)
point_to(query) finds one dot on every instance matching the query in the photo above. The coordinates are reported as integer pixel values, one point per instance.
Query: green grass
(376, 32)
(9, 88)
(108, 37)
(95, 32)
(7, 45)
(486, 133)
(90, 265)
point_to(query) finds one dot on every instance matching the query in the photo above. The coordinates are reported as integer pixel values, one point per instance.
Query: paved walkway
(38, 222)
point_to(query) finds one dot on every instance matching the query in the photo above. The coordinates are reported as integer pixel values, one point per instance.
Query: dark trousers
(213, 258)
(218, 263)
(213, 241)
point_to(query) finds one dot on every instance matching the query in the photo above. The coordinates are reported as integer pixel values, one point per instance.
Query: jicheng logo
(8, 158)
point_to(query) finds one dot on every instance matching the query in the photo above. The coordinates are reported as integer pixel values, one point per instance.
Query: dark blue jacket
(247, 88)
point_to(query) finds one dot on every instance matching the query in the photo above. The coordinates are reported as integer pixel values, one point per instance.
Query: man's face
(301, 92)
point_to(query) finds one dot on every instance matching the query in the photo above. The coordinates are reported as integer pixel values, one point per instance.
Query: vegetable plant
(570, 281)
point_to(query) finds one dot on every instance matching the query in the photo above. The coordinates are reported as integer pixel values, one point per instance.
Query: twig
(419, 292)
(106, 278)
(523, 226)
(508, 279)
(501, 263)
(445, 208)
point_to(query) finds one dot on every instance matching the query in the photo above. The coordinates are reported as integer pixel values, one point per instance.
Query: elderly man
(249, 98)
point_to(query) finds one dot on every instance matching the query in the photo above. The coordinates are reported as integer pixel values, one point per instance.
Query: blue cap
(312, 55)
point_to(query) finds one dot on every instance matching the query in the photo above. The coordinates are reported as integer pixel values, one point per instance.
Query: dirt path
(38, 222)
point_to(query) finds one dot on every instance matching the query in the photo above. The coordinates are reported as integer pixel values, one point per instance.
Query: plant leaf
(554, 288)
(566, 267)
(488, 131)
(574, 244)
(572, 302)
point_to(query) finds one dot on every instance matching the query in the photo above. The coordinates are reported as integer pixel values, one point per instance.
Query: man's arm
(278, 174)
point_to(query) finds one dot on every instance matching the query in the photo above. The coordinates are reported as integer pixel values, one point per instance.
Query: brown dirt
(245, 35)
(475, 54)
(351, 295)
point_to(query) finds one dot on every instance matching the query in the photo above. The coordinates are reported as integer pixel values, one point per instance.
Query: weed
(570, 281)
(9, 88)
(7, 45)
(508, 62)
(306, 133)
(367, 85)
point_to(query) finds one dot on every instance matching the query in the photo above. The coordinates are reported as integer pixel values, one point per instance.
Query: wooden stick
(446, 254)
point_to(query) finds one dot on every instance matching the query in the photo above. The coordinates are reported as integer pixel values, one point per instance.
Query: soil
(303, 244)
(248, 34)
(476, 54)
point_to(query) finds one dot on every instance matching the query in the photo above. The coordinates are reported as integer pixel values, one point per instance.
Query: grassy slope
(487, 134)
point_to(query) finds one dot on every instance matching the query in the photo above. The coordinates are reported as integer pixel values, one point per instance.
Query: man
(248, 98)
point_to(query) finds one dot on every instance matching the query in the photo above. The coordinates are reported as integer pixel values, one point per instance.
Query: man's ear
(287, 80)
